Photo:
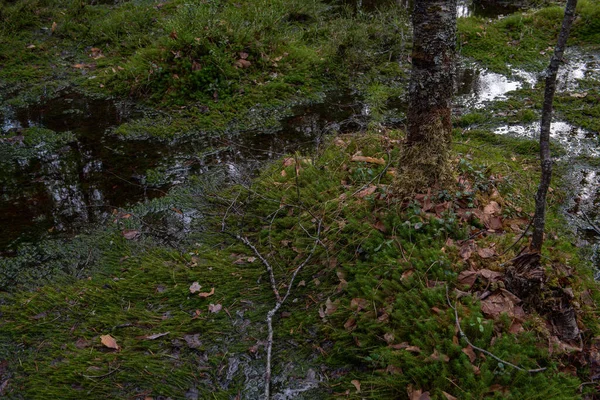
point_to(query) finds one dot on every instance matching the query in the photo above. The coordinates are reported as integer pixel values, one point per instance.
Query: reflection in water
(475, 87)
(62, 188)
(576, 141)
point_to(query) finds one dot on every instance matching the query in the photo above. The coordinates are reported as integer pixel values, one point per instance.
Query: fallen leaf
(154, 336)
(486, 253)
(195, 287)
(371, 160)
(214, 308)
(358, 304)
(467, 277)
(243, 55)
(350, 324)
(380, 226)
(81, 343)
(579, 95)
(173, 35)
(367, 191)
(466, 250)
(54, 25)
(449, 396)
(193, 341)
(31, 46)
(492, 276)
(492, 209)
(413, 349)
(407, 274)
(330, 306)
(109, 342)
(207, 294)
(470, 353)
(241, 63)
(356, 385)
(130, 234)
(388, 337)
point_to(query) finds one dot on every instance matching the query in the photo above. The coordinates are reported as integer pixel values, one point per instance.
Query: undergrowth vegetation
(371, 315)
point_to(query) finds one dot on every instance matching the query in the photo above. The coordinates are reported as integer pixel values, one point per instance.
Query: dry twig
(279, 300)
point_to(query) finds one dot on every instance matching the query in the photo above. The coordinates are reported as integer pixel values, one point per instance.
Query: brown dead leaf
(448, 396)
(388, 337)
(241, 63)
(413, 349)
(437, 356)
(466, 250)
(243, 55)
(417, 394)
(109, 342)
(366, 192)
(486, 253)
(356, 384)
(350, 324)
(492, 276)
(173, 35)
(331, 306)
(467, 277)
(195, 287)
(54, 25)
(154, 336)
(407, 274)
(380, 226)
(492, 209)
(358, 304)
(130, 234)
(470, 353)
(214, 308)
(207, 294)
(371, 160)
(81, 343)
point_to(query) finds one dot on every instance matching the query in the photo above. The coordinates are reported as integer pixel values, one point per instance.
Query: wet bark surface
(430, 92)
(539, 219)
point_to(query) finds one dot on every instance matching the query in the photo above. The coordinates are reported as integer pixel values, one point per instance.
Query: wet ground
(60, 189)
(77, 179)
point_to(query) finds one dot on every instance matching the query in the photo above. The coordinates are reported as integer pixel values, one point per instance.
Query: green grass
(526, 39)
(378, 274)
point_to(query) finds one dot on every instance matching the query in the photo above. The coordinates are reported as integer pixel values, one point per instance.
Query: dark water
(466, 8)
(60, 189)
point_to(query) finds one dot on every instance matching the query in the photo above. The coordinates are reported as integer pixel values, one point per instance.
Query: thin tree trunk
(539, 219)
(425, 159)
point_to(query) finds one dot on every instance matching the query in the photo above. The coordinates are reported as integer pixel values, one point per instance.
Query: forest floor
(388, 297)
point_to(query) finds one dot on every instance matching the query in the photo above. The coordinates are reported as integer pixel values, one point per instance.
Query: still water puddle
(576, 141)
(79, 172)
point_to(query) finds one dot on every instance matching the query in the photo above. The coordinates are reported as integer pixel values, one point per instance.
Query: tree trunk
(539, 219)
(425, 158)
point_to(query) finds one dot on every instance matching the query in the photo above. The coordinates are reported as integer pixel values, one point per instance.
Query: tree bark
(425, 158)
(539, 219)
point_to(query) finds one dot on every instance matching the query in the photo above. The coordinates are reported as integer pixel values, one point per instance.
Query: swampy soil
(134, 158)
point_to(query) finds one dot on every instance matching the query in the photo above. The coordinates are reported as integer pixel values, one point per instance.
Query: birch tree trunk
(425, 158)
(539, 219)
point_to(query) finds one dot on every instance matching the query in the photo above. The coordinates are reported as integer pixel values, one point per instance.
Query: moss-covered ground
(369, 309)
(373, 313)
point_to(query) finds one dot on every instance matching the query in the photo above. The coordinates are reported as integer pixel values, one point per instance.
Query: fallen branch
(591, 223)
(463, 335)
(279, 300)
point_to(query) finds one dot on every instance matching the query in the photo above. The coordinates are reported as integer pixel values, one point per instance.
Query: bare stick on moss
(464, 336)
(279, 300)
(539, 219)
